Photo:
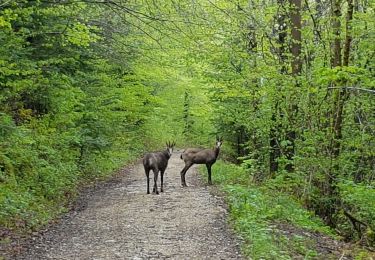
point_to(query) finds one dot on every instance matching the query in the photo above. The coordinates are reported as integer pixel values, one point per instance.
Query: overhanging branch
(355, 88)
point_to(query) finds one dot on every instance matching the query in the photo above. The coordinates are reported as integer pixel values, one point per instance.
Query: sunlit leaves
(80, 35)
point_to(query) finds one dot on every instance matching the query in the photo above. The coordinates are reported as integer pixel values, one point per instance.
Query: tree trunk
(296, 63)
(295, 18)
(186, 114)
(336, 30)
(340, 96)
(275, 151)
(348, 37)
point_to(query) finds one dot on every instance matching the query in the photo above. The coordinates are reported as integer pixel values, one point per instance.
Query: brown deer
(157, 161)
(191, 150)
(200, 156)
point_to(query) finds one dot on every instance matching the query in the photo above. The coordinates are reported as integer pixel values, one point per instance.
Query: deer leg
(209, 173)
(183, 172)
(161, 181)
(153, 187)
(148, 180)
(183, 183)
(182, 180)
(156, 172)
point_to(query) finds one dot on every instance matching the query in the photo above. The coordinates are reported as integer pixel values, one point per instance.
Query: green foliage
(68, 113)
(255, 211)
(360, 199)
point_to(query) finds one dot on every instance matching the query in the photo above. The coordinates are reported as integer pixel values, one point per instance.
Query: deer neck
(216, 151)
(167, 154)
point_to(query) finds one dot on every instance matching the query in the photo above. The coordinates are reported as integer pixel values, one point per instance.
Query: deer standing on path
(200, 156)
(157, 161)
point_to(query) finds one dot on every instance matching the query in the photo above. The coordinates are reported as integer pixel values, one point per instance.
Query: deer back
(204, 156)
(156, 160)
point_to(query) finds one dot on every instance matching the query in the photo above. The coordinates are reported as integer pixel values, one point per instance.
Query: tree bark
(296, 64)
(348, 37)
(336, 30)
(274, 137)
(340, 96)
(186, 114)
(296, 26)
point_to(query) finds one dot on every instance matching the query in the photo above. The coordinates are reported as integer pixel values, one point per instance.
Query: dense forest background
(86, 86)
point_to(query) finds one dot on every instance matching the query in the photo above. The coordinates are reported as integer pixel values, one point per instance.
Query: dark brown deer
(200, 156)
(191, 150)
(157, 161)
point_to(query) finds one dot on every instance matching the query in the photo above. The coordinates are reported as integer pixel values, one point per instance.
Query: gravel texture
(120, 221)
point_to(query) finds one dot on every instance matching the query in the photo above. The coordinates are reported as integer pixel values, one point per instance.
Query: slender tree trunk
(336, 30)
(186, 114)
(296, 26)
(295, 18)
(340, 96)
(275, 150)
(329, 209)
(348, 37)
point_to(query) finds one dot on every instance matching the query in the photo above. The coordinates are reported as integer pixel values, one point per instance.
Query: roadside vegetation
(274, 224)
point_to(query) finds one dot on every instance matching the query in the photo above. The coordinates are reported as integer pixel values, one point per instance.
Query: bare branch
(355, 88)
(5, 3)
(138, 27)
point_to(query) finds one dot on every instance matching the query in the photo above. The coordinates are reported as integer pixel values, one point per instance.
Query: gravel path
(120, 221)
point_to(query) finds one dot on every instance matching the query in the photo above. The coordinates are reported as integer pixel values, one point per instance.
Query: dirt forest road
(120, 221)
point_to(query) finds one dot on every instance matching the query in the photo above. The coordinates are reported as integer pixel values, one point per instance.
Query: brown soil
(118, 220)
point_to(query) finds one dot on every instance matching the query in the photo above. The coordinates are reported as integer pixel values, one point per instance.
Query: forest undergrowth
(274, 224)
